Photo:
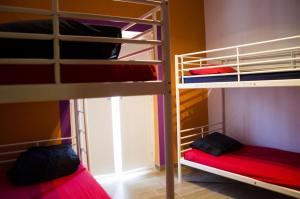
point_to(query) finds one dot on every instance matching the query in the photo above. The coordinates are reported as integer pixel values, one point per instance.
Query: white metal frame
(239, 61)
(241, 178)
(61, 91)
(58, 91)
(272, 59)
(205, 130)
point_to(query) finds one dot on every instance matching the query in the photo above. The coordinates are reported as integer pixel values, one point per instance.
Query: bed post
(223, 111)
(178, 119)
(72, 123)
(167, 102)
(86, 133)
(78, 136)
(56, 48)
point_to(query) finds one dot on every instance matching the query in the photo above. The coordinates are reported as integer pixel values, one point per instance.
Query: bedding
(248, 77)
(44, 163)
(12, 74)
(29, 48)
(79, 185)
(208, 71)
(261, 163)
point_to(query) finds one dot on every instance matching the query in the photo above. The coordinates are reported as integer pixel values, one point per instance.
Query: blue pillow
(39, 164)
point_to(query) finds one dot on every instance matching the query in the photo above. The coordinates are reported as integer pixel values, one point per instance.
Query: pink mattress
(79, 185)
(264, 164)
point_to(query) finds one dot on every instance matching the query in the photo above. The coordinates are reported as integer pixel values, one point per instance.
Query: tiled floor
(195, 185)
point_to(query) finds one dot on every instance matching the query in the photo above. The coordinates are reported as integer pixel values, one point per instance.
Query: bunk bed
(34, 73)
(271, 63)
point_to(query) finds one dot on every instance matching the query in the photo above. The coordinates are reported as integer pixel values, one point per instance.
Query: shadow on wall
(193, 108)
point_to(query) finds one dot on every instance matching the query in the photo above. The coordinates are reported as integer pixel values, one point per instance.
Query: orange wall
(186, 31)
(104, 7)
(29, 121)
(187, 34)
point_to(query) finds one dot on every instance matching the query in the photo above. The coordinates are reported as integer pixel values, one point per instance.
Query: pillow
(44, 163)
(30, 48)
(216, 144)
(212, 70)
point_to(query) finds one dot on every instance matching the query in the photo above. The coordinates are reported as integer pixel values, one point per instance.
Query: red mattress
(79, 185)
(44, 74)
(264, 164)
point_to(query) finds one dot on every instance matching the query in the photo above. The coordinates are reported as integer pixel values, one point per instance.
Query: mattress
(264, 164)
(245, 77)
(44, 74)
(79, 185)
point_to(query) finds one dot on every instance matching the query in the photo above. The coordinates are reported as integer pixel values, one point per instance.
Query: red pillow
(212, 70)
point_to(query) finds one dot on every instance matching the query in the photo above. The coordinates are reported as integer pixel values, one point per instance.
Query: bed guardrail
(14, 149)
(55, 13)
(156, 18)
(186, 136)
(276, 55)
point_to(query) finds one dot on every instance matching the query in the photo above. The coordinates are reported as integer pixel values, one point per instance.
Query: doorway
(120, 133)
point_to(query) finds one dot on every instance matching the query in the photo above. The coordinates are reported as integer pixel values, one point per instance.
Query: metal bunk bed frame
(197, 60)
(289, 61)
(62, 91)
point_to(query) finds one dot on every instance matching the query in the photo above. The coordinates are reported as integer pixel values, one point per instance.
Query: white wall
(266, 117)
(231, 22)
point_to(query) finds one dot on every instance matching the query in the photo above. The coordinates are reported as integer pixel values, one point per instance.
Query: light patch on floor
(150, 184)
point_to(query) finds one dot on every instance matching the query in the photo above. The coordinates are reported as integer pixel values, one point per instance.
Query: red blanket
(264, 164)
(79, 185)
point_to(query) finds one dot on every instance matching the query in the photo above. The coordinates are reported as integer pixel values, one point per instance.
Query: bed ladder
(81, 129)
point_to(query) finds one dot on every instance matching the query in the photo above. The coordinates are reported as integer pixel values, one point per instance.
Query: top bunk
(270, 63)
(65, 54)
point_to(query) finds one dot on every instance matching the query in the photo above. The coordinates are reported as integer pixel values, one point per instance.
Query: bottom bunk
(269, 168)
(79, 185)
(47, 169)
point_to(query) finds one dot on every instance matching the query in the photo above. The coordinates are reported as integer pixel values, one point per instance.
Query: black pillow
(45, 163)
(30, 48)
(216, 144)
